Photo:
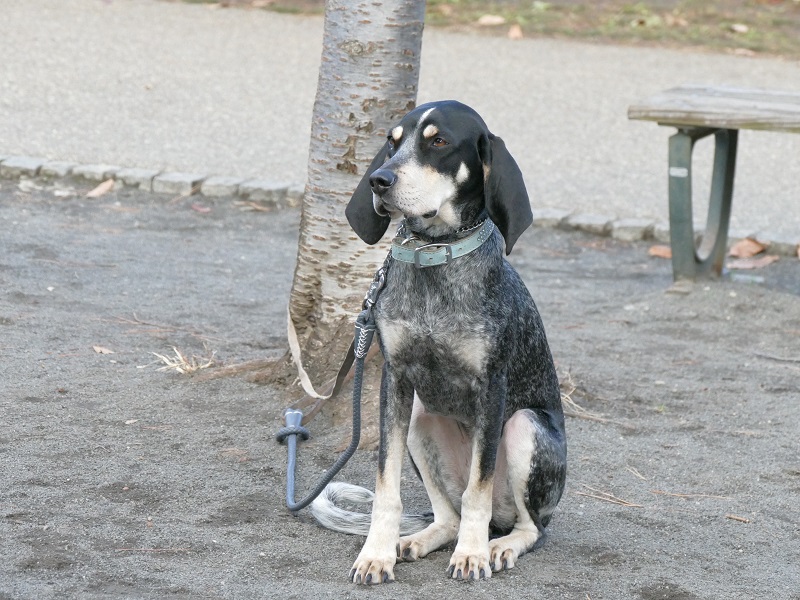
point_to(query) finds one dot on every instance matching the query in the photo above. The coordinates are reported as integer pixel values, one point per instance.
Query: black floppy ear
(504, 190)
(360, 212)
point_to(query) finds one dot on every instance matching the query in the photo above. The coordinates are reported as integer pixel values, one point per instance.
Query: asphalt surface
(177, 86)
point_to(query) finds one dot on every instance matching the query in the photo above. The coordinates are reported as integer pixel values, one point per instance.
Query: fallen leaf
(675, 20)
(26, 185)
(515, 32)
(102, 350)
(200, 208)
(746, 248)
(101, 189)
(752, 263)
(491, 20)
(660, 251)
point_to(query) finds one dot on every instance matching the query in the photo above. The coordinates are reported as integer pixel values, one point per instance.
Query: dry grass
(607, 497)
(575, 410)
(686, 496)
(744, 27)
(184, 365)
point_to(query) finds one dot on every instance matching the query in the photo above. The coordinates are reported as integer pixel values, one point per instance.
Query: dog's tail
(329, 514)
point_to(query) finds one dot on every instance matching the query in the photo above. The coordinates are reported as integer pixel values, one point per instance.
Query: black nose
(381, 180)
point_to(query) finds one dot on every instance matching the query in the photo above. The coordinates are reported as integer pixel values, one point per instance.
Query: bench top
(722, 107)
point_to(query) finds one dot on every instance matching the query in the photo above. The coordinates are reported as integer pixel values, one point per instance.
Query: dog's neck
(422, 253)
(409, 229)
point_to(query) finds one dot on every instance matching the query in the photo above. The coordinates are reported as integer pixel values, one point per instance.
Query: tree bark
(368, 79)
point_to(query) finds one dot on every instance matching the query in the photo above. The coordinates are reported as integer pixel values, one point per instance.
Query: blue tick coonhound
(469, 384)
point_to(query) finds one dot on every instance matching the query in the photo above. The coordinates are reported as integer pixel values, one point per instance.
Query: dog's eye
(439, 142)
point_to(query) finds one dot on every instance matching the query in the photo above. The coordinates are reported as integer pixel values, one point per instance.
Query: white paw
(371, 570)
(469, 566)
(502, 558)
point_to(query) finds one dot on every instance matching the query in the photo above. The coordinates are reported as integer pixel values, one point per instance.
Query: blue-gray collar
(417, 252)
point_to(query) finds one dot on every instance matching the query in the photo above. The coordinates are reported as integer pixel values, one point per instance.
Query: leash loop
(365, 330)
(293, 427)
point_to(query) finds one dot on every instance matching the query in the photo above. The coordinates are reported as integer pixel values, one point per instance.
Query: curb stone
(95, 172)
(777, 244)
(550, 217)
(17, 166)
(661, 232)
(220, 185)
(283, 195)
(264, 190)
(295, 193)
(184, 184)
(632, 230)
(141, 178)
(597, 224)
(56, 169)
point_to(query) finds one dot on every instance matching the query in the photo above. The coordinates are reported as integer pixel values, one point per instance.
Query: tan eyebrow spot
(430, 131)
(397, 133)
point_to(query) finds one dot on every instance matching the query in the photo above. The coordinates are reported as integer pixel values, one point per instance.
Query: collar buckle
(447, 248)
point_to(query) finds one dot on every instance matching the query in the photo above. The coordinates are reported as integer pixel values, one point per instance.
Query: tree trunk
(368, 79)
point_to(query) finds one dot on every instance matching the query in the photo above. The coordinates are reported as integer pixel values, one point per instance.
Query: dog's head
(442, 169)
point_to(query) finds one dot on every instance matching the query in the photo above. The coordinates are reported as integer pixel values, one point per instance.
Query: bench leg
(707, 260)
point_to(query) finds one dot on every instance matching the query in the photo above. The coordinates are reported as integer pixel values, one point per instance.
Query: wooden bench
(699, 111)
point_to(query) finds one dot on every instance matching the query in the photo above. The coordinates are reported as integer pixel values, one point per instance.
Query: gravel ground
(118, 480)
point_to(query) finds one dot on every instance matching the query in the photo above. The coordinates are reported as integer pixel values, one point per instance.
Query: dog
(468, 384)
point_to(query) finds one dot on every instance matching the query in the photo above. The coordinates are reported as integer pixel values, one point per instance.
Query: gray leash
(365, 330)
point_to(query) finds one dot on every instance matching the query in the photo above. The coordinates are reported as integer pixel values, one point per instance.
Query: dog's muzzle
(381, 181)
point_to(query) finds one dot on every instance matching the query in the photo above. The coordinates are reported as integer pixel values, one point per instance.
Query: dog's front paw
(370, 570)
(469, 566)
(502, 558)
(411, 548)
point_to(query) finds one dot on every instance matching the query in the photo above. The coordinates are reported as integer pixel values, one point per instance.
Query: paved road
(230, 92)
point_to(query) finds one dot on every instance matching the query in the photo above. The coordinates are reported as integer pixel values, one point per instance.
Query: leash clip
(378, 282)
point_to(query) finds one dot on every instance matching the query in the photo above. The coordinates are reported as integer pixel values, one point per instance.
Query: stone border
(269, 193)
(278, 194)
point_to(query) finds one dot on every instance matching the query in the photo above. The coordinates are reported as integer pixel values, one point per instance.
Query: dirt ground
(118, 480)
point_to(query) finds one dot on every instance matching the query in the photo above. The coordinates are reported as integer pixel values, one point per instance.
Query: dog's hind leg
(440, 452)
(535, 468)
